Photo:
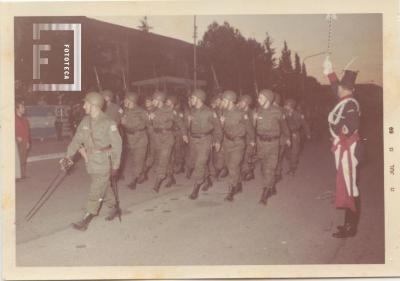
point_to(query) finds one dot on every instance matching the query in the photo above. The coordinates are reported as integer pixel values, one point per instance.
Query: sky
(355, 37)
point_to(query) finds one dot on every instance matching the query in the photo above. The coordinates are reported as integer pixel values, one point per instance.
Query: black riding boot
(83, 224)
(195, 192)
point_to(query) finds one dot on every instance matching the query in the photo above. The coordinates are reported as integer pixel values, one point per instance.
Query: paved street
(169, 229)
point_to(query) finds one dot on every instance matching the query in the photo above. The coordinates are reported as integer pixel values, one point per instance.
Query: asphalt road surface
(169, 229)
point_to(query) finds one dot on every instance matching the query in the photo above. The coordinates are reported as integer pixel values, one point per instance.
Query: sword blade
(54, 188)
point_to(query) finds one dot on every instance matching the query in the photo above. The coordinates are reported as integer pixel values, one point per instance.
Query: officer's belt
(231, 138)
(132, 131)
(160, 131)
(267, 138)
(102, 149)
(199, 136)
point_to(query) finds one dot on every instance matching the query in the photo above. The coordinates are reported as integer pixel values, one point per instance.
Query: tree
(304, 70)
(297, 65)
(285, 61)
(144, 25)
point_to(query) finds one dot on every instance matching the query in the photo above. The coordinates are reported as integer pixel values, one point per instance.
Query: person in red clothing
(344, 123)
(22, 135)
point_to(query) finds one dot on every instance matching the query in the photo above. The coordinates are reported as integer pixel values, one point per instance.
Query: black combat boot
(83, 224)
(231, 193)
(265, 195)
(207, 184)
(238, 188)
(132, 185)
(157, 185)
(195, 192)
(223, 173)
(114, 212)
(170, 181)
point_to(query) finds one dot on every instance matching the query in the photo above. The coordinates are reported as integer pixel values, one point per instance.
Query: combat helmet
(95, 98)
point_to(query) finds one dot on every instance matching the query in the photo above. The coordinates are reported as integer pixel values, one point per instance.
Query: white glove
(328, 68)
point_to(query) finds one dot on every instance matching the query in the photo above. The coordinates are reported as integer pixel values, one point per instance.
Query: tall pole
(194, 53)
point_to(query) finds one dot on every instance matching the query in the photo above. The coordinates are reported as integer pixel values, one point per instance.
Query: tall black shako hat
(349, 79)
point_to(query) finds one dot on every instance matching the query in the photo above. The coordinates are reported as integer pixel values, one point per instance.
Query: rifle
(97, 79)
(215, 77)
(255, 76)
(114, 188)
(53, 185)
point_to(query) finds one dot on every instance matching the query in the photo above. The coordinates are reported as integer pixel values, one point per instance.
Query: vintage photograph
(199, 140)
(147, 141)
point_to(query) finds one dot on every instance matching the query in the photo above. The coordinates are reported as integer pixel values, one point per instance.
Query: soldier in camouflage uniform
(296, 122)
(236, 126)
(282, 144)
(269, 126)
(244, 104)
(204, 131)
(164, 121)
(98, 140)
(135, 122)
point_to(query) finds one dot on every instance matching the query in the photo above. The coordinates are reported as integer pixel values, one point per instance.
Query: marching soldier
(148, 104)
(164, 121)
(269, 126)
(218, 159)
(296, 122)
(171, 102)
(135, 122)
(101, 149)
(204, 130)
(236, 126)
(282, 144)
(111, 109)
(244, 104)
(344, 122)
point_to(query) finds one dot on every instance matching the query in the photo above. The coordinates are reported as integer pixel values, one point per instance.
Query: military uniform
(344, 124)
(164, 121)
(204, 129)
(218, 158)
(135, 122)
(296, 122)
(269, 126)
(113, 111)
(247, 169)
(236, 128)
(282, 148)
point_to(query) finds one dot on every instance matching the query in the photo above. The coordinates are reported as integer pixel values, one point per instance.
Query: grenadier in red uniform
(344, 120)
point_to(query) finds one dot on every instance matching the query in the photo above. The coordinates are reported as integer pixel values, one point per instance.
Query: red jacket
(22, 128)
